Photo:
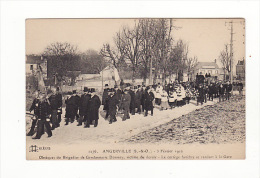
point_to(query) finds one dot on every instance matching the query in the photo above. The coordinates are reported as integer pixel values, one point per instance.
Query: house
(203, 68)
(240, 70)
(32, 65)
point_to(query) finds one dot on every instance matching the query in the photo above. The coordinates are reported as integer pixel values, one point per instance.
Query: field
(220, 123)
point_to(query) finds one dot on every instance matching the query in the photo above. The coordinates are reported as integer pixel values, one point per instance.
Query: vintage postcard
(142, 89)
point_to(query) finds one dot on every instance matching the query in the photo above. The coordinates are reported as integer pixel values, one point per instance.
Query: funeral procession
(137, 81)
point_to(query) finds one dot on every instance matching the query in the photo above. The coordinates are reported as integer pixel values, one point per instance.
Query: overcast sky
(206, 37)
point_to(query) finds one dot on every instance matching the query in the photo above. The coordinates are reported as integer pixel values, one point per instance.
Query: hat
(85, 89)
(138, 86)
(106, 85)
(74, 91)
(92, 90)
(58, 89)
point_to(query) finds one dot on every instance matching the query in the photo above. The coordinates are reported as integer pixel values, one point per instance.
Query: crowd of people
(124, 99)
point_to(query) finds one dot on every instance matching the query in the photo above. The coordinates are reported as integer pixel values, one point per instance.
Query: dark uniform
(44, 110)
(59, 112)
(200, 97)
(138, 100)
(211, 91)
(228, 91)
(71, 109)
(55, 105)
(94, 105)
(35, 108)
(83, 107)
(221, 93)
(125, 105)
(148, 102)
(132, 103)
(112, 103)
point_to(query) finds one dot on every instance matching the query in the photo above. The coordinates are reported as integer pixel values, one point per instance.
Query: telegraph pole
(231, 54)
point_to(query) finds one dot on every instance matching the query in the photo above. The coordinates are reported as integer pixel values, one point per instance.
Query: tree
(62, 57)
(92, 62)
(191, 63)
(113, 55)
(224, 58)
(179, 55)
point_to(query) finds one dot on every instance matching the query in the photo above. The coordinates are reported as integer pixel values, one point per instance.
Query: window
(31, 67)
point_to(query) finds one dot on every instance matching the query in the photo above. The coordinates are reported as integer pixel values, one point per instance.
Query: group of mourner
(125, 100)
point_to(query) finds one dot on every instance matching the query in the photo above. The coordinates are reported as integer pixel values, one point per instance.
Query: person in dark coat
(94, 105)
(83, 106)
(240, 87)
(78, 103)
(211, 92)
(105, 98)
(113, 102)
(221, 92)
(71, 107)
(138, 99)
(35, 108)
(148, 101)
(132, 104)
(200, 95)
(59, 111)
(55, 105)
(142, 97)
(125, 104)
(228, 90)
(43, 114)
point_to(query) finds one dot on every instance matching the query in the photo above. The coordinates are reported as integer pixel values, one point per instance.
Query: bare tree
(191, 63)
(60, 49)
(62, 57)
(224, 58)
(113, 55)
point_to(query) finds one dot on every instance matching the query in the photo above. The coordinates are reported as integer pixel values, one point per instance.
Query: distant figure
(148, 101)
(125, 104)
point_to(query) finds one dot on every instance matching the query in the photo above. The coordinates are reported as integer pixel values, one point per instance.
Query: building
(203, 68)
(32, 65)
(240, 70)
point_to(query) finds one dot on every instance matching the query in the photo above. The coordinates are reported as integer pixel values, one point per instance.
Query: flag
(41, 84)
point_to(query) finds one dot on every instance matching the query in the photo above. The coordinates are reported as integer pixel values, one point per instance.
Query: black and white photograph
(143, 88)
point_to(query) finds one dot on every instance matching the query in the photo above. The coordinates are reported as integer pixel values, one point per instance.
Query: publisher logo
(33, 148)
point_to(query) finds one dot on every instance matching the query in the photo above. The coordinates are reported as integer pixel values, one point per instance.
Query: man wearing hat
(35, 108)
(55, 105)
(94, 105)
(125, 104)
(83, 106)
(132, 103)
(228, 90)
(138, 98)
(43, 114)
(148, 101)
(59, 111)
(105, 98)
(112, 103)
(221, 92)
(71, 107)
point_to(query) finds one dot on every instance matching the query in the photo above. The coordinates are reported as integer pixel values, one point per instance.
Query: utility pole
(231, 55)
(151, 71)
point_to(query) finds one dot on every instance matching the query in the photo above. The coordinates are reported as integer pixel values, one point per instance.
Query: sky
(205, 37)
